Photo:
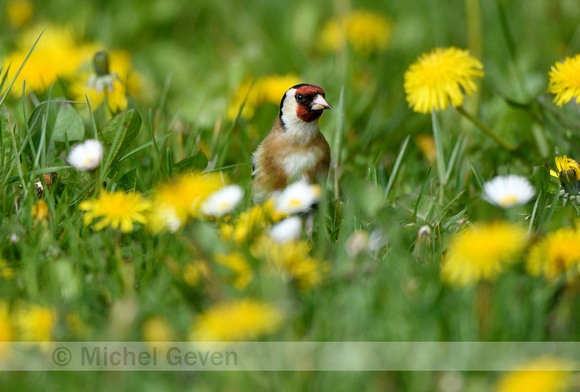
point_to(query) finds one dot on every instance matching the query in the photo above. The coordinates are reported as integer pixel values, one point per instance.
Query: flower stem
(440, 153)
(485, 129)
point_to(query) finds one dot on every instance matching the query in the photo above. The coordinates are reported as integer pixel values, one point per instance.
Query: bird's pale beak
(319, 103)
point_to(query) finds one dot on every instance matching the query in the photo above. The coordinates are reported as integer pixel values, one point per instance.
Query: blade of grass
(21, 67)
(454, 155)
(547, 219)
(534, 212)
(338, 140)
(421, 192)
(144, 146)
(438, 147)
(478, 176)
(396, 167)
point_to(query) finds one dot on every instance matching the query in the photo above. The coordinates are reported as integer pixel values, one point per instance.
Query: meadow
(450, 212)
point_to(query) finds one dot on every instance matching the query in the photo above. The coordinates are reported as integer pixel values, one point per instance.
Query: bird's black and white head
(302, 106)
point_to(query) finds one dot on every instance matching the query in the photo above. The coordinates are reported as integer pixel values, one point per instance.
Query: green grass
(194, 56)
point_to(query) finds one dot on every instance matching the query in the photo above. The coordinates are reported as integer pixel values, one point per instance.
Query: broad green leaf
(129, 180)
(118, 133)
(48, 110)
(68, 122)
(194, 162)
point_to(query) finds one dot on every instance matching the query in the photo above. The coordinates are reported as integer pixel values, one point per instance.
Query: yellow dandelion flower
(254, 93)
(5, 271)
(292, 260)
(6, 329)
(157, 329)
(40, 212)
(482, 252)
(564, 81)
(237, 320)
(426, 145)
(226, 231)
(557, 253)
(177, 201)
(367, 32)
(56, 55)
(539, 375)
(238, 264)
(440, 78)
(18, 12)
(194, 272)
(35, 323)
(568, 173)
(74, 323)
(111, 80)
(118, 210)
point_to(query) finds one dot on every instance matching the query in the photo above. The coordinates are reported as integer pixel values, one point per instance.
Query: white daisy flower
(508, 191)
(87, 155)
(223, 201)
(169, 219)
(297, 197)
(286, 230)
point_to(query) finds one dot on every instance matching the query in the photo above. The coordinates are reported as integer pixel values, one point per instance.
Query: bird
(294, 149)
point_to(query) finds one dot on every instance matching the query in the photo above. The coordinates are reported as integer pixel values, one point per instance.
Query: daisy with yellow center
(253, 93)
(286, 230)
(179, 200)
(564, 80)
(367, 32)
(440, 78)
(482, 252)
(568, 173)
(222, 202)
(558, 253)
(237, 320)
(297, 197)
(86, 156)
(118, 210)
(546, 374)
(508, 191)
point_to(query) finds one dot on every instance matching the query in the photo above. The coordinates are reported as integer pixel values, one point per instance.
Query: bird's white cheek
(295, 165)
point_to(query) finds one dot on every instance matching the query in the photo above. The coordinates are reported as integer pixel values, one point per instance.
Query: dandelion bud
(101, 63)
(424, 232)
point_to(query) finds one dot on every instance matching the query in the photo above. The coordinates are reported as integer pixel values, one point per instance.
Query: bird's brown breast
(282, 159)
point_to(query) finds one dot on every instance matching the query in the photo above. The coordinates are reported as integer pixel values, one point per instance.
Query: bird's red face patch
(309, 90)
(303, 111)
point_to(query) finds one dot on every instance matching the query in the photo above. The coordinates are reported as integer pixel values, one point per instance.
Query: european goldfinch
(294, 149)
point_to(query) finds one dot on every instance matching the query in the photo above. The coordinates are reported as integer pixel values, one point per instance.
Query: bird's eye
(299, 98)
